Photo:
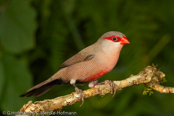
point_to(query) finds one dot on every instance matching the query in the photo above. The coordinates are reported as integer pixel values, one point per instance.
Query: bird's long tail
(42, 88)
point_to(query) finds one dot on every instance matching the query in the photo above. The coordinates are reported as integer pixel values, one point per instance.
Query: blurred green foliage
(36, 36)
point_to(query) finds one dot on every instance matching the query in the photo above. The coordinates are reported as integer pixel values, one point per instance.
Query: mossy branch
(150, 76)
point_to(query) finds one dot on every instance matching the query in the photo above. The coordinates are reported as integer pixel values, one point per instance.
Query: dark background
(36, 36)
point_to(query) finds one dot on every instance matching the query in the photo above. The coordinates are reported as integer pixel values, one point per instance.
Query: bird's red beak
(124, 41)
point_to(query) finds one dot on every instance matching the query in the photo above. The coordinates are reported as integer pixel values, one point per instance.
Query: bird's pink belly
(89, 71)
(93, 77)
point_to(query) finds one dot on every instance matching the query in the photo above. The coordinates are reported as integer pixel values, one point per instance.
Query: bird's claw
(112, 86)
(81, 93)
(93, 84)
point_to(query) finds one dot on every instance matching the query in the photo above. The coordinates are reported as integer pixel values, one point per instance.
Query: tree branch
(150, 76)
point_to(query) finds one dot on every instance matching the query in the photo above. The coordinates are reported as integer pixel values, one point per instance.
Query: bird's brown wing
(81, 56)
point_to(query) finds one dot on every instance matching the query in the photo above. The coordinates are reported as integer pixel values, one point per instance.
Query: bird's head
(113, 40)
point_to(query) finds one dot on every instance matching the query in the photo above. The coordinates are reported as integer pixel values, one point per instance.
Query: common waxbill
(87, 65)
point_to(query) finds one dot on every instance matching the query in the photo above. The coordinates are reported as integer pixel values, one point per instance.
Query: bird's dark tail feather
(42, 88)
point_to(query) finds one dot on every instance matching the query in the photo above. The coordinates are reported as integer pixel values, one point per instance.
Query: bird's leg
(111, 84)
(93, 84)
(79, 91)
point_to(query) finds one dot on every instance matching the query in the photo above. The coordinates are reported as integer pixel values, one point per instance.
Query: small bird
(86, 66)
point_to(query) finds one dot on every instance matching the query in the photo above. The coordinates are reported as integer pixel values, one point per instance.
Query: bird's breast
(102, 64)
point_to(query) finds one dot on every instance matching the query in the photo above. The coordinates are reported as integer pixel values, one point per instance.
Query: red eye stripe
(111, 38)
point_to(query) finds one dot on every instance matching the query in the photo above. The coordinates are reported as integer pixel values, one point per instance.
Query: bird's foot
(93, 84)
(111, 84)
(81, 93)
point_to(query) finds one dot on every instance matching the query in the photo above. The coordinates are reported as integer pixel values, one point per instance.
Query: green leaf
(148, 90)
(18, 80)
(17, 26)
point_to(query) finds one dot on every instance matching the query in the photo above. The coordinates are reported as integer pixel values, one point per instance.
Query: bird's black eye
(114, 39)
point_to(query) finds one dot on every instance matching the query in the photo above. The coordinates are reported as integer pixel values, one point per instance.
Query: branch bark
(150, 76)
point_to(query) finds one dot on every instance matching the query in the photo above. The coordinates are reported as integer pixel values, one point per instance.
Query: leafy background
(36, 36)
